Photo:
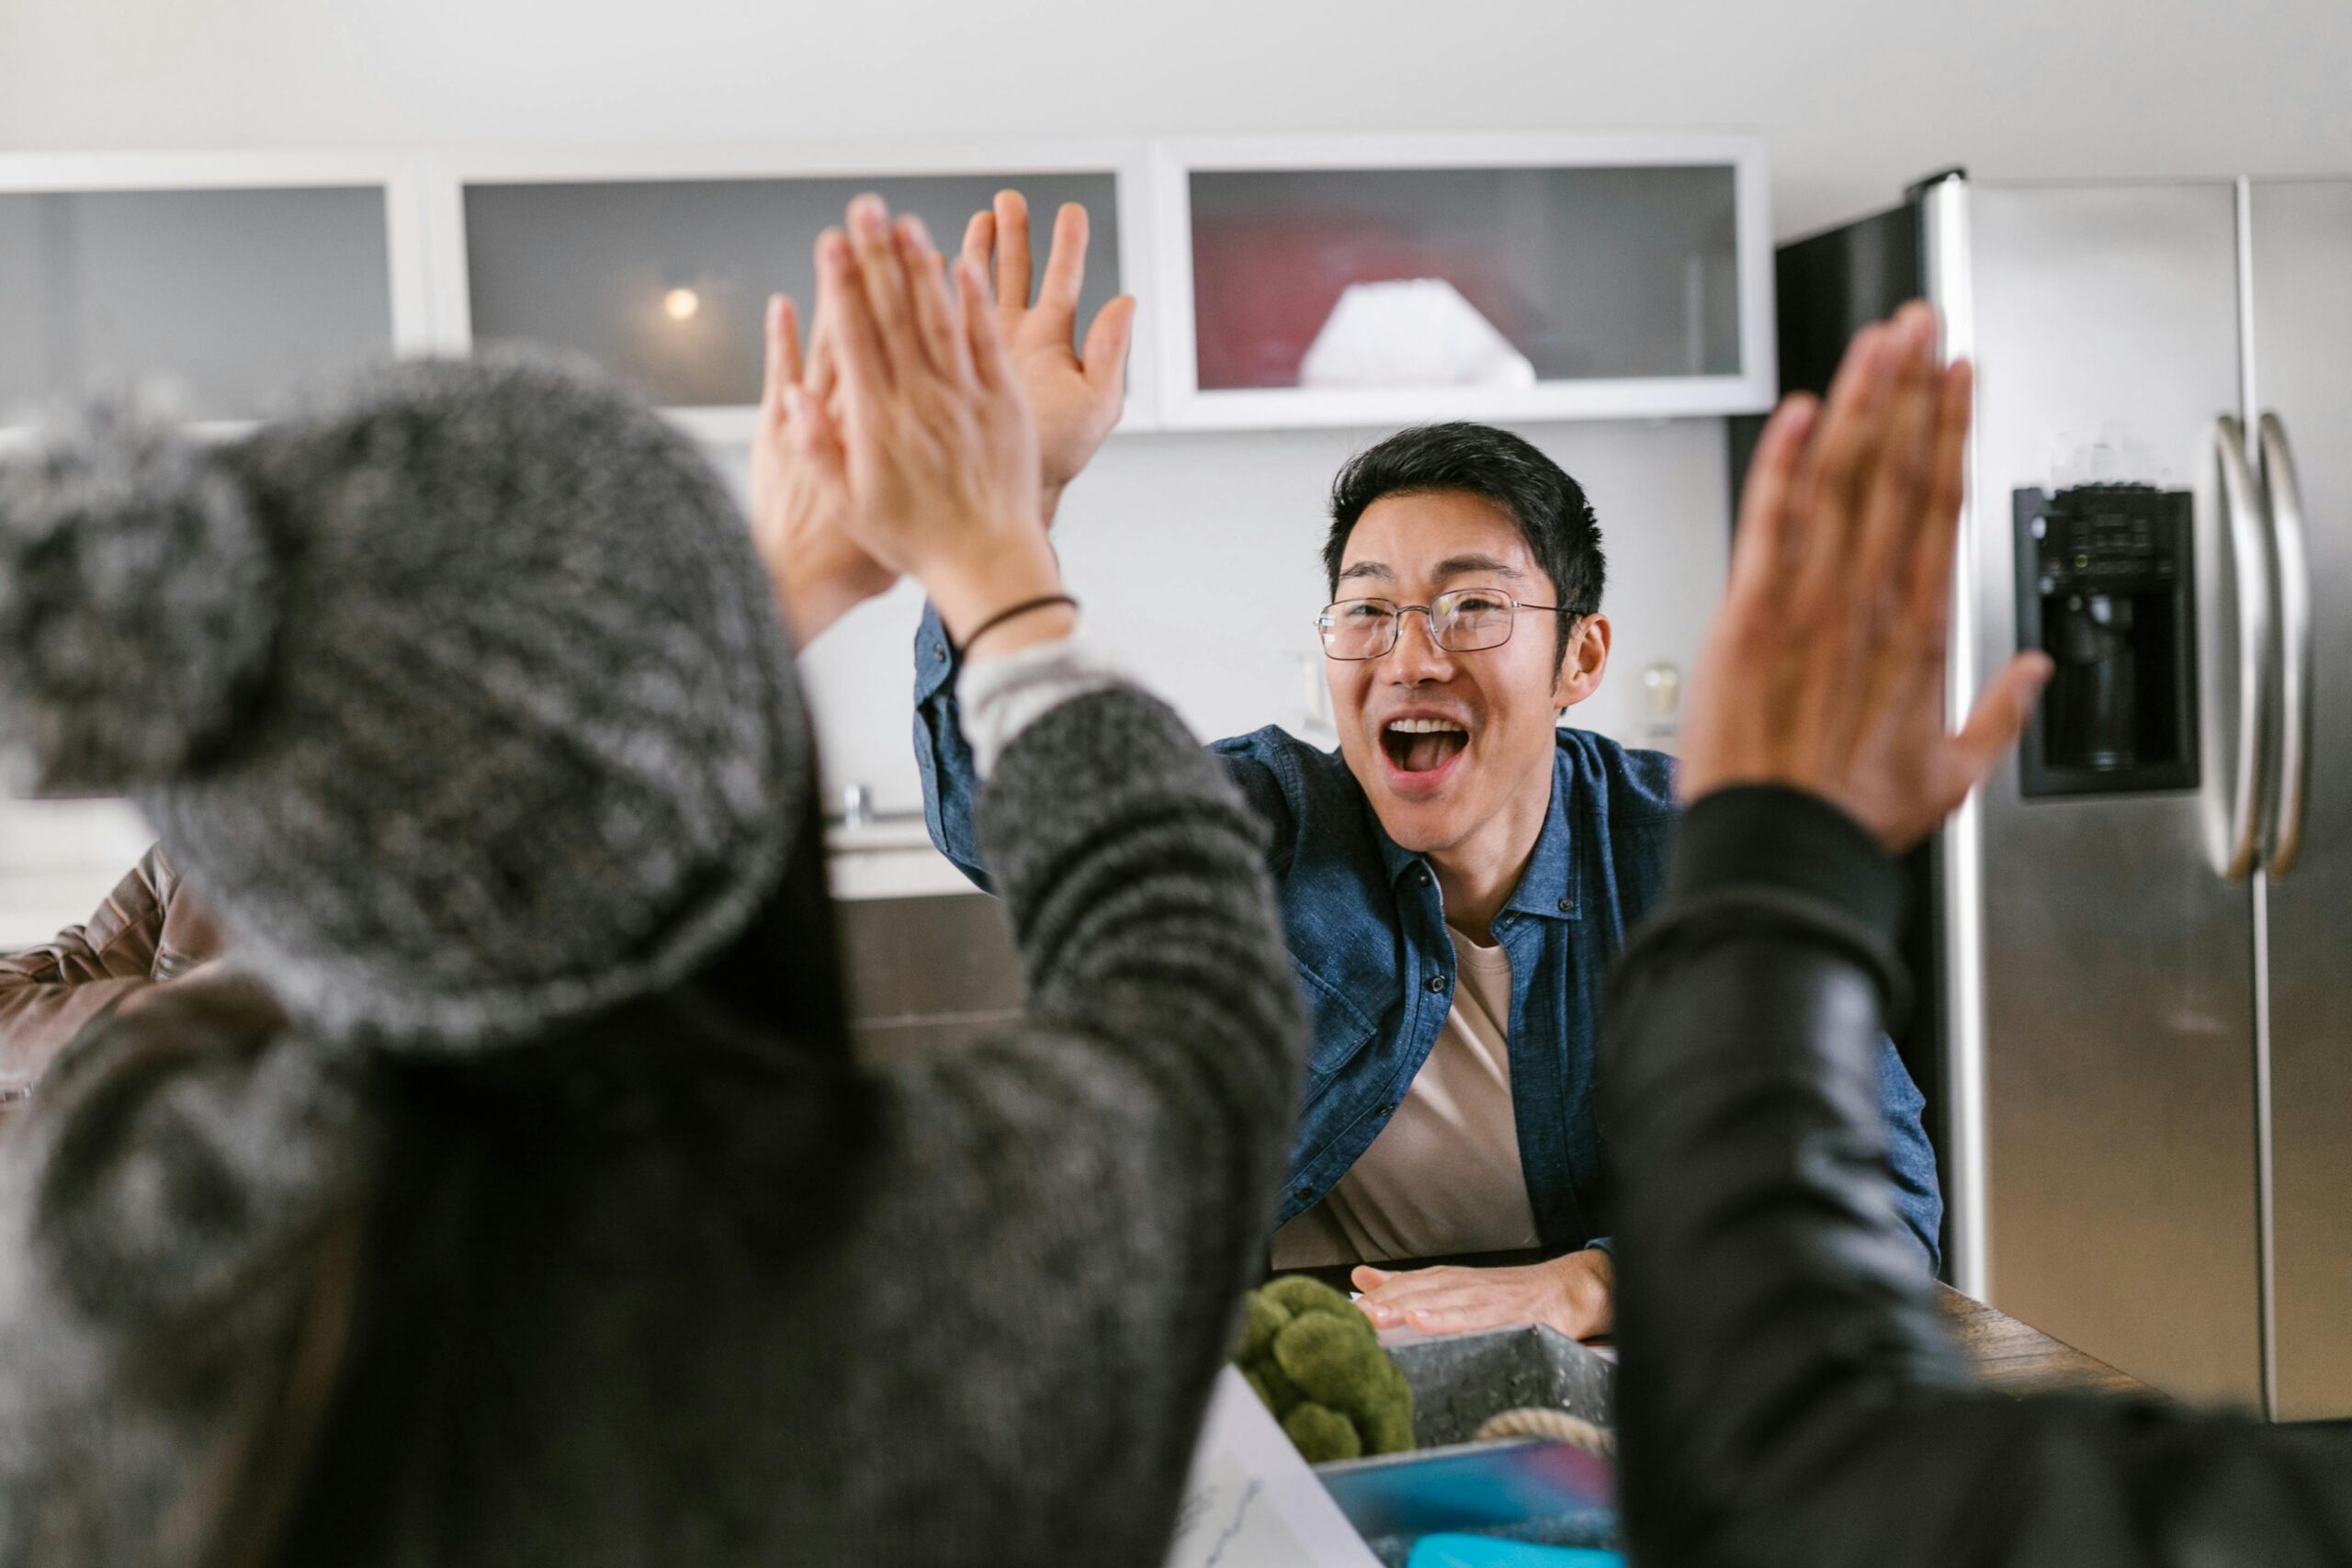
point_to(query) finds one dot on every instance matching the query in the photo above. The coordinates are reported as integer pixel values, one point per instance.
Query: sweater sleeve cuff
(1003, 696)
(1766, 837)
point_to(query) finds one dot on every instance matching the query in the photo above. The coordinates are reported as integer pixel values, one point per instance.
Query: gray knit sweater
(685, 1288)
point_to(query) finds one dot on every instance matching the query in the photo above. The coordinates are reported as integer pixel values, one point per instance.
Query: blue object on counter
(1484, 1551)
(1495, 1488)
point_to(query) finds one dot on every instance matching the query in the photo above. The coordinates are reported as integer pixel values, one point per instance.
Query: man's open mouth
(1422, 745)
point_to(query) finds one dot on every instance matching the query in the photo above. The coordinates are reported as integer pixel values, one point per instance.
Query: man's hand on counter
(1576, 1295)
(1075, 395)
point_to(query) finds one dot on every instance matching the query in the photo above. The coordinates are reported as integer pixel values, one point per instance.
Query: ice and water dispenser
(2105, 587)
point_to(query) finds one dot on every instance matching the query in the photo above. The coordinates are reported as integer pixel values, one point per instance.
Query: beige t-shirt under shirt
(1443, 1175)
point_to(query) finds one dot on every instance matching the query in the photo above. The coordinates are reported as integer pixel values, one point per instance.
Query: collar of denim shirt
(1548, 887)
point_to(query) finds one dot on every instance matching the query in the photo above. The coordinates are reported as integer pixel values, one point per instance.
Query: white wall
(1197, 558)
(1855, 100)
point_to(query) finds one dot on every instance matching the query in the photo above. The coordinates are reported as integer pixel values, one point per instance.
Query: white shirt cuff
(1002, 697)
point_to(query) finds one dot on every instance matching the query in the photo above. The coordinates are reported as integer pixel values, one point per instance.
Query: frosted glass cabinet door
(664, 281)
(1491, 282)
(226, 299)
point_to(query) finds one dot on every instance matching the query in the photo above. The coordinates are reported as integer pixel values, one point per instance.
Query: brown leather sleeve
(148, 929)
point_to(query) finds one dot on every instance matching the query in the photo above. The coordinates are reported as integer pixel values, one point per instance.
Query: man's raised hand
(932, 456)
(1075, 395)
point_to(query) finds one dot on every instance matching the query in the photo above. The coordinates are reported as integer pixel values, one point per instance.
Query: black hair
(1549, 507)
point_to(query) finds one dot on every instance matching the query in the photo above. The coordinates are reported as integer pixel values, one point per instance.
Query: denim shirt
(1365, 924)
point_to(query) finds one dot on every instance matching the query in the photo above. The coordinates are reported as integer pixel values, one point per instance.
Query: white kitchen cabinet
(215, 284)
(1385, 280)
(1284, 281)
(660, 268)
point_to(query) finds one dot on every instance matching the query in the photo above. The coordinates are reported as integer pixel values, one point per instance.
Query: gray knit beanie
(462, 698)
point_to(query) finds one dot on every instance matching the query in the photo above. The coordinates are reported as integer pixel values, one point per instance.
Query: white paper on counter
(1251, 1502)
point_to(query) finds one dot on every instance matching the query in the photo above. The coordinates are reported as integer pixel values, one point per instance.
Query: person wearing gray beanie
(510, 1194)
(450, 659)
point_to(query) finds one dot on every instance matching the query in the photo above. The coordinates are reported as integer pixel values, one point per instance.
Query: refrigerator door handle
(2283, 497)
(2250, 557)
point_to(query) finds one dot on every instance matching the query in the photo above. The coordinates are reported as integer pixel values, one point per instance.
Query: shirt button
(1303, 1193)
(1568, 907)
(1437, 984)
(1388, 1110)
(1422, 877)
(939, 651)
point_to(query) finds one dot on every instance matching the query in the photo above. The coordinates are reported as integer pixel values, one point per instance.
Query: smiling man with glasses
(1456, 880)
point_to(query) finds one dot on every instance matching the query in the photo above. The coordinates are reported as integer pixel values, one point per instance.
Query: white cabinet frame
(431, 311)
(449, 176)
(1184, 405)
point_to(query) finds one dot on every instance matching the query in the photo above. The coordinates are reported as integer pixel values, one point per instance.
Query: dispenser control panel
(2105, 586)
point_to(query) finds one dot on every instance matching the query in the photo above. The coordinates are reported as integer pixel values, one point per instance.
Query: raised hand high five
(932, 463)
(1825, 669)
(1075, 395)
(817, 569)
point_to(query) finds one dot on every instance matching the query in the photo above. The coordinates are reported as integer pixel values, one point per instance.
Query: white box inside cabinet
(658, 267)
(221, 283)
(1389, 280)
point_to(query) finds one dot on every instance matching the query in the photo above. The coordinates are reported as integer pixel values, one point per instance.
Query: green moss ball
(1282, 1394)
(1297, 1294)
(1315, 1360)
(1336, 1365)
(1261, 1321)
(1387, 1427)
(1321, 1434)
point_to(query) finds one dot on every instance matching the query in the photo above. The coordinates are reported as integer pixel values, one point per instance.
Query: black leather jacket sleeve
(1786, 1390)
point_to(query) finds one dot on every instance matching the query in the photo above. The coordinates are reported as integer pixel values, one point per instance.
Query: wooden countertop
(2017, 1359)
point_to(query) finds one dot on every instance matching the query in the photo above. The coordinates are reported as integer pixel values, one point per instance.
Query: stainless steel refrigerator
(2137, 941)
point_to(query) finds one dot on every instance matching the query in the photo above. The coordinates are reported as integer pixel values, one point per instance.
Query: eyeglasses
(1463, 621)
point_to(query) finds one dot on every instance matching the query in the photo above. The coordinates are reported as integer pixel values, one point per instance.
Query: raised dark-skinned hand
(1825, 668)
